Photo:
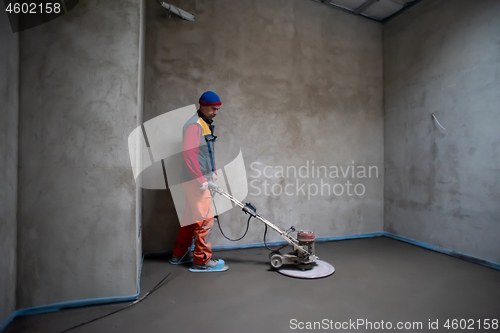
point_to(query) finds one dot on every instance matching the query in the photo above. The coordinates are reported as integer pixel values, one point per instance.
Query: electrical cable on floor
(155, 288)
(158, 286)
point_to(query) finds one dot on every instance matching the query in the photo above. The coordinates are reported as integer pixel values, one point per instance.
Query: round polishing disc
(321, 269)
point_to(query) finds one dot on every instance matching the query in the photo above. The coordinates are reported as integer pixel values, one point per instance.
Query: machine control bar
(250, 209)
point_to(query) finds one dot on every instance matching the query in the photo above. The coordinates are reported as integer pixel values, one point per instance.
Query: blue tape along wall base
(452, 253)
(74, 304)
(106, 300)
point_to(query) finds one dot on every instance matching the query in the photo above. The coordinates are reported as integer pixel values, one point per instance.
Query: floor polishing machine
(302, 262)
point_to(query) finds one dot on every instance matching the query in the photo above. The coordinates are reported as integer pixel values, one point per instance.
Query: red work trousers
(198, 220)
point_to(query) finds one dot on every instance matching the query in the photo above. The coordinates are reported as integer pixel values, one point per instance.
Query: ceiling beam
(407, 5)
(364, 6)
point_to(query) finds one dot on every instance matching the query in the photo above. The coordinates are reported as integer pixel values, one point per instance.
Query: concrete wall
(77, 195)
(443, 187)
(299, 82)
(9, 109)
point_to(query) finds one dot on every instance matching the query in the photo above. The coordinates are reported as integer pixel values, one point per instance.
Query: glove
(204, 186)
(214, 177)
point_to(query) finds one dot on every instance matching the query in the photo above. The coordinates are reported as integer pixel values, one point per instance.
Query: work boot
(177, 260)
(212, 265)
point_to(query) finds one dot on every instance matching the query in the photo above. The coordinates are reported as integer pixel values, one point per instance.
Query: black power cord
(279, 248)
(220, 228)
(155, 288)
(250, 209)
(158, 286)
(233, 240)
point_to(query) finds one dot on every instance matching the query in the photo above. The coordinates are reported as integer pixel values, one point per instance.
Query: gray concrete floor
(377, 279)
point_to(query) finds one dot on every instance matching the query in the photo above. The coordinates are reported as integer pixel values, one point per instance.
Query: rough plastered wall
(9, 110)
(301, 85)
(443, 187)
(77, 220)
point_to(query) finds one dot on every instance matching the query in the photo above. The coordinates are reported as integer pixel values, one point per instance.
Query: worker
(198, 169)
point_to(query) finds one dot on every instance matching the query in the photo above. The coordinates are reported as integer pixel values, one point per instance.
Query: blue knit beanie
(209, 98)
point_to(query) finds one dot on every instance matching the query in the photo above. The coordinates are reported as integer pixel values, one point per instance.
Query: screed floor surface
(377, 281)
